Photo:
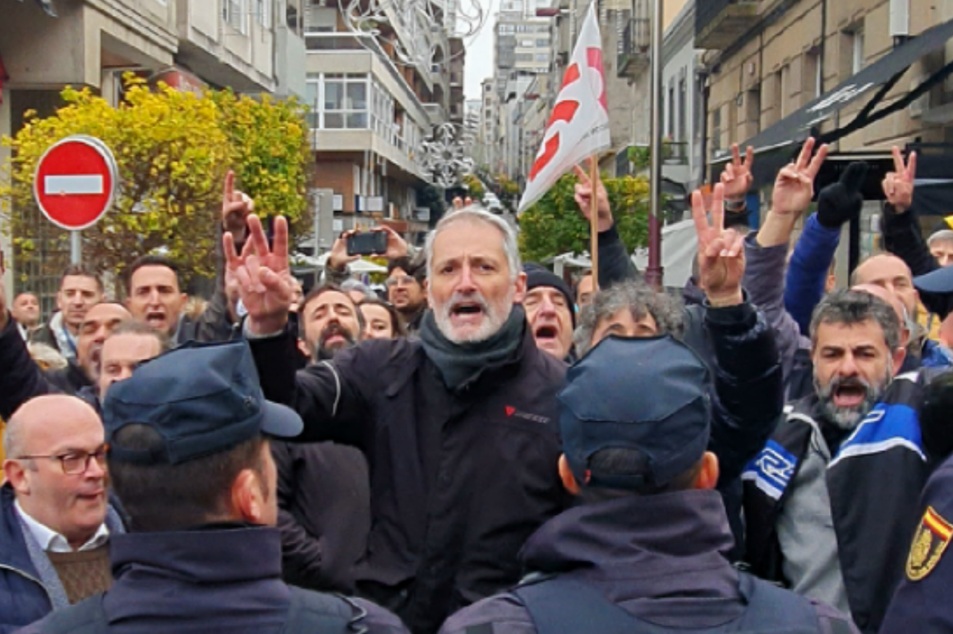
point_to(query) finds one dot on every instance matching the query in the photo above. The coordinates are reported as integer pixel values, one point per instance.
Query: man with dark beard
(329, 321)
(323, 492)
(830, 496)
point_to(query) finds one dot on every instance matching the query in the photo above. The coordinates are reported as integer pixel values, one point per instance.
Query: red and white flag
(579, 124)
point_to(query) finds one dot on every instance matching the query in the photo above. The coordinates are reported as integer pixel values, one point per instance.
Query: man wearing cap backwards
(459, 427)
(644, 548)
(188, 454)
(550, 311)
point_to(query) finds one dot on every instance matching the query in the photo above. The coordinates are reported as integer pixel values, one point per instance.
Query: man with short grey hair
(459, 426)
(940, 244)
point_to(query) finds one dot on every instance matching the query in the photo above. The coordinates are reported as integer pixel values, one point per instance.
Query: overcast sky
(479, 60)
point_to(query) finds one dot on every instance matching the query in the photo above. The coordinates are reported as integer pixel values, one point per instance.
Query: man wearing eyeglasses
(405, 291)
(55, 519)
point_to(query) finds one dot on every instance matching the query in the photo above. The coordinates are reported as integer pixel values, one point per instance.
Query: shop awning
(782, 140)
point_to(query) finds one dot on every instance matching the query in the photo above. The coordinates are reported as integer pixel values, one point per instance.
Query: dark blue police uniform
(921, 602)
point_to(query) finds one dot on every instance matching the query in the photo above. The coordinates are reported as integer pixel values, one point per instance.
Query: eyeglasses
(406, 280)
(75, 462)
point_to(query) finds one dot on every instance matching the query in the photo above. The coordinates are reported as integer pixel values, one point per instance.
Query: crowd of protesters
(487, 446)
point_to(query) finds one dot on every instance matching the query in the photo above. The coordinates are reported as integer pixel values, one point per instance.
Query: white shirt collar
(53, 542)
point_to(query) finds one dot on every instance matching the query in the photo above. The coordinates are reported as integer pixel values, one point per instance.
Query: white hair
(943, 235)
(473, 213)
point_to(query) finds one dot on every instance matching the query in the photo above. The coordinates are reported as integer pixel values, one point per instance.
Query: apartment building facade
(862, 76)
(249, 45)
(372, 109)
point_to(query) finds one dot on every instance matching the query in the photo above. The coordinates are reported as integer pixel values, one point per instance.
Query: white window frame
(346, 79)
(263, 13)
(232, 9)
(857, 50)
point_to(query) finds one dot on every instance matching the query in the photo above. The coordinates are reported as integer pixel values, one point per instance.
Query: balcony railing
(720, 23)
(634, 47)
(675, 152)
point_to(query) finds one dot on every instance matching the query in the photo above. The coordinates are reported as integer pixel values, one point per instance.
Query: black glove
(839, 202)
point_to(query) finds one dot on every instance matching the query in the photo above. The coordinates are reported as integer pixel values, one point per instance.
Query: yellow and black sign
(929, 543)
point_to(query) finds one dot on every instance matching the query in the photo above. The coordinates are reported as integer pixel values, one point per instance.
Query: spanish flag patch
(928, 545)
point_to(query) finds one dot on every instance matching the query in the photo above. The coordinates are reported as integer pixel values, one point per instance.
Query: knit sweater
(83, 573)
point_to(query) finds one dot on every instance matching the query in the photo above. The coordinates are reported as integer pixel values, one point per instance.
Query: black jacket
(21, 379)
(324, 513)
(224, 578)
(458, 481)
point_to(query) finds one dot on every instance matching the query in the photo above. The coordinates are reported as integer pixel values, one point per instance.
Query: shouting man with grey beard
(459, 427)
(832, 494)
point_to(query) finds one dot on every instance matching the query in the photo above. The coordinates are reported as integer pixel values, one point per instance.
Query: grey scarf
(461, 364)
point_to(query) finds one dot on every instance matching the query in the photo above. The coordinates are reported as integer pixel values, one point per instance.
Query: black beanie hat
(537, 275)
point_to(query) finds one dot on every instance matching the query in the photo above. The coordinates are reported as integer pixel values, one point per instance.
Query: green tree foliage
(172, 149)
(475, 189)
(554, 225)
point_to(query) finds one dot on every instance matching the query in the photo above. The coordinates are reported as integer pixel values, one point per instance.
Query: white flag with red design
(579, 124)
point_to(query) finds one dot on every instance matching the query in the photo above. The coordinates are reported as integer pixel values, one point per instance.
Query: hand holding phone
(367, 243)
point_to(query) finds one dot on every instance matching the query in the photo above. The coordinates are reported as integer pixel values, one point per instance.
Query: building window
(342, 102)
(857, 52)
(235, 15)
(311, 92)
(345, 103)
(716, 130)
(670, 113)
(811, 76)
(263, 13)
(682, 132)
(753, 111)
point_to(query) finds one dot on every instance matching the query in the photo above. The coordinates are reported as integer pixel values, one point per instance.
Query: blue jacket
(29, 585)
(807, 271)
(658, 557)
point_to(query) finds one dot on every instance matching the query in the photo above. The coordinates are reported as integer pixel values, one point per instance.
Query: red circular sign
(74, 182)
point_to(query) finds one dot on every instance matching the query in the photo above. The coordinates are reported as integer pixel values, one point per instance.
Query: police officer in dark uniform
(921, 602)
(644, 550)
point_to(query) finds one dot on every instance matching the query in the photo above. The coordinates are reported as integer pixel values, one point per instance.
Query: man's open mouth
(155, 318)
(466, 308)
(850, 395)
(545, 332)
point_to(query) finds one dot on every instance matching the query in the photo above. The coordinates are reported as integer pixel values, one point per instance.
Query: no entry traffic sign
(75, 181)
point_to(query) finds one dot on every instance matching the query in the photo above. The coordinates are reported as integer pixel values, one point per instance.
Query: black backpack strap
(85, 617)
(318, 613)
(559, 605)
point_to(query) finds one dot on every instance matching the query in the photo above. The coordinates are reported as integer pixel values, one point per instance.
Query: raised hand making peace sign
(736, 177)
(263, 275)
(721, 254)
(794, 185)
(898, 184)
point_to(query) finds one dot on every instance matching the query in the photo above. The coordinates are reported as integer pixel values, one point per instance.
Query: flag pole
(594, 221)
(654, 272)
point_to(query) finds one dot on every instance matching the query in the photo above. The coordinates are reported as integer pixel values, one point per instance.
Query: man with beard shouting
(830, 497)
(323, 492)
(459, 426)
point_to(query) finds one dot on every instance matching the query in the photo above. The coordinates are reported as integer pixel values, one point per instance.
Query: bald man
(892, 273)
(55, 519)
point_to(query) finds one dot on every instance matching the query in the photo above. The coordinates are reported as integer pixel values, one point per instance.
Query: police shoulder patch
(929, 543)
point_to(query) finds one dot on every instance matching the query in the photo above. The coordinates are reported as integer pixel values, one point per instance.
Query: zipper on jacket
(31, 578)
